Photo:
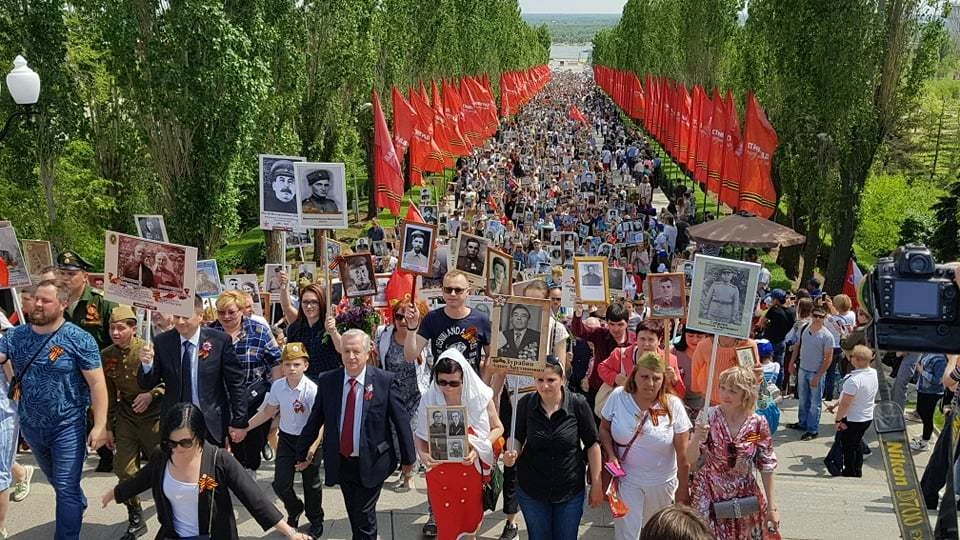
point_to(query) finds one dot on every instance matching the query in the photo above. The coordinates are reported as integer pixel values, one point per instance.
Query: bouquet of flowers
(357, 313)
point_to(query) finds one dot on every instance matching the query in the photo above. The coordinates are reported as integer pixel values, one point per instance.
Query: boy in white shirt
(292, 397)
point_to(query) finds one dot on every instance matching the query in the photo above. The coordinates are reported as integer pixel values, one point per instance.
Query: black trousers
(850, 440)
(511, 505)
(248, 451)
(926, 406)
(361, 501)
(284, 471)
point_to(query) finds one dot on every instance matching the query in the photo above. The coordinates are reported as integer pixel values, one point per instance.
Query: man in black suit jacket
(358, 454)
(212, 380)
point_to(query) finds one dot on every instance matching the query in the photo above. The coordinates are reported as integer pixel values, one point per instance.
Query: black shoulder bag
(14, 392)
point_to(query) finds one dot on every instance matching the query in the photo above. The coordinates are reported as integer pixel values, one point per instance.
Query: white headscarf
(474, 395)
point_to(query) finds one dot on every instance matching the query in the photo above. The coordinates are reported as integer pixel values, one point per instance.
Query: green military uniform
(133, 433)
(92, 313)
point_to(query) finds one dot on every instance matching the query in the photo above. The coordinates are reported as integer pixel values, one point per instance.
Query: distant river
(570, 51)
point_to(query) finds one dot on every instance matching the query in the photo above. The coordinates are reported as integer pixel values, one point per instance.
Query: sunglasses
(821, 316)
(451, 384)
(454, 290)
(184, 443)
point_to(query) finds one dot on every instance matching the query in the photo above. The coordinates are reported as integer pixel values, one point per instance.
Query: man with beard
(415, 258)
(61, 378)
(318, 202)
(281, 197)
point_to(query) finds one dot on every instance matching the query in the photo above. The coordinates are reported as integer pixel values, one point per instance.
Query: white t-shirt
(862, 384)
(295, 403)
(652, 459)
(840, 325)
(183, 499)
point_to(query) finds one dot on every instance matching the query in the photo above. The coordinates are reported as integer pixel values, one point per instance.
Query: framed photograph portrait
(322, 195)
(520, 341)
(747, 357)
(380, 299)
(470, 252)
(417, 253)
(37, 254)
(336, 291)
(208, 279)
(448, 432)
(356, 272)
(279, 201)
(96, 281)
(722, 296)
(12, 258)
(666, 294)
(272, 281)
(151, 228)
(150, 275)
(500, 273)
(334, 250)
(247, 283)
(430, 213)
(481, 303)
(616, 276)
(304, 273)
(591, 278)
(299, 238)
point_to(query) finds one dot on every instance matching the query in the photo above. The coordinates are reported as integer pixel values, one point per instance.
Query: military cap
(122, 313)
(294, 350)
(421, 234)
(317, 175)
(69, 260)
(281, 167)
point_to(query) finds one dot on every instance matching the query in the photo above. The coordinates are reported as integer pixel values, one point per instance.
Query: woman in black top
(555, 428)
(307, 325)
(187, 471)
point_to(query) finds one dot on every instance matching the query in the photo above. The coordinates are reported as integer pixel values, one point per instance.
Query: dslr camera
(914, 303)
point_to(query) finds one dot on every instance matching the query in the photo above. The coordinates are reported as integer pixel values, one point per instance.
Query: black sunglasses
(451, 384)
(453, 290)
(184, 443)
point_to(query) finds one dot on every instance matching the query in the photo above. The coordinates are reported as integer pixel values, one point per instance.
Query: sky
(572, 6)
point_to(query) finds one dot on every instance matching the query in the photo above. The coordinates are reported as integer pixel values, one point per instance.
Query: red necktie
(349, 410)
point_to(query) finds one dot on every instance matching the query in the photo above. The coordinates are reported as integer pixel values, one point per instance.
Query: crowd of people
(617, 415)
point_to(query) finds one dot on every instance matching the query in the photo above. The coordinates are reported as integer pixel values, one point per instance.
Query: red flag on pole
(851, 284)
(404, 120)
(703, 137)
(683, 145)
(757, 192)
(576, 114)
(427, 155)
(413, 214)
(452, 108)
(718, 136)
(387, 175)
(732, 152)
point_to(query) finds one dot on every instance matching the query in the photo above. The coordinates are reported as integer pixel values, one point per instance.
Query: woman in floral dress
(734, 444)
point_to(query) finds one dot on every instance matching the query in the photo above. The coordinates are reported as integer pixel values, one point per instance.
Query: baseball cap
(778, 294)
(764, 348)
(294, 350)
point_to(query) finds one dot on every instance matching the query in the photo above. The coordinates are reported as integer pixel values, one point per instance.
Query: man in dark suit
(519, 341)
(357, 404)
(198, 365)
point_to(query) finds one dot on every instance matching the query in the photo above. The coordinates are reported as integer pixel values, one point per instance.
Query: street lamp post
(24, 86)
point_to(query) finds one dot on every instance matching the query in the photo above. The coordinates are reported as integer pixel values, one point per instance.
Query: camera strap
(901, 473)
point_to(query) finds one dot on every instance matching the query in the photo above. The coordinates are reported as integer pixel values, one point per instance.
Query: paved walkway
(813, 505)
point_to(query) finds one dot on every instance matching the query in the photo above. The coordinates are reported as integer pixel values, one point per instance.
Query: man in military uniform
(318, 202)
(88, 310)
(134, 412)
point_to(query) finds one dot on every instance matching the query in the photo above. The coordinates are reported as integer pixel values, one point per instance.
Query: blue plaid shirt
(256, 350)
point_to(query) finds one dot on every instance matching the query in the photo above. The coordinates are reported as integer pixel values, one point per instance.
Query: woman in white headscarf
(455, 482)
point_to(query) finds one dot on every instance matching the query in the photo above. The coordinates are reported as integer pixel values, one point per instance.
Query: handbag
(611, 485)
(736, 507)
(603, 394)
(15, 390)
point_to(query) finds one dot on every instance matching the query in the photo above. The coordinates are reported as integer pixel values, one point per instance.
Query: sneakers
(22, 488)
(510, 531)
(135, 524)
(796, 426)
(918, 444)
(429, 528)
(808, 436)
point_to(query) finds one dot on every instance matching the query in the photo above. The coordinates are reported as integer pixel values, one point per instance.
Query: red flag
(440, 132)
(851, 284)
(638, 104)
(404, 120)
(387, 175)
(575, 114)
(506, 95)
(757, 192)
(426, 154)
(703, 138)
(452, 109)
(697, 105)
(413, 214)
(718, 135)
(399, 287)
(732, 152)
(470, 125)
(684, 140)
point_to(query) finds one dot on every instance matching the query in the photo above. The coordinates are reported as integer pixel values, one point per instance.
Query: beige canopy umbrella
(745, 231)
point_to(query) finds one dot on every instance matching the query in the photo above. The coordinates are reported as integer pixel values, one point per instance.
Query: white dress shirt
(295, 403)
(358, 408)
(195, 341)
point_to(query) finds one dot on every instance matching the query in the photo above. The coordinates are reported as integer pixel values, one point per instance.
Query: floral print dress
(727, 471)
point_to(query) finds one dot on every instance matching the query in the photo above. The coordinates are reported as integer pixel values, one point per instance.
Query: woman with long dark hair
(309, 324)
(191, 481)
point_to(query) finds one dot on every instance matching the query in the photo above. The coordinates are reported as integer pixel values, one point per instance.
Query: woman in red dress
(456, 473)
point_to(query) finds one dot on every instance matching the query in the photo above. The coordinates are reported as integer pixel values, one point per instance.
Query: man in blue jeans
(815, 352)
(59, 365)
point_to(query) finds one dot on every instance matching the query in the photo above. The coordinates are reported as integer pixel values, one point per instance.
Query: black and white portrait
(208, 278)
(591, 279)
(471, 257)
(273, 280)
(721, 298)
(666, 295)
(616, 276)
(417, 253)
(356, 272)
(151, 228)
(322, 195)
(430, 214)
(380, 299)
(37, 255)
(455, 425)
(247, 283)
(500, 274)
(278, 192)
(521, 328)
(447, 428)
(334, 250)
(299, 238)
(336, 291)
(306, 273)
